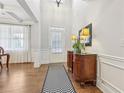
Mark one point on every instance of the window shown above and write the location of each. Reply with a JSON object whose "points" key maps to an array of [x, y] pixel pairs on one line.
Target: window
{"points": [[56, 42], [14, 37]]}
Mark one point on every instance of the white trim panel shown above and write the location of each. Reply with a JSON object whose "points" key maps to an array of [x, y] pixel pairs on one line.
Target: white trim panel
{"points": [[110, 71]]}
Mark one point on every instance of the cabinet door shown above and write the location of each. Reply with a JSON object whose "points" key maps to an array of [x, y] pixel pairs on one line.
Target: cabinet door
{"points": [[69, 59], [88, 68], [76, 71]]}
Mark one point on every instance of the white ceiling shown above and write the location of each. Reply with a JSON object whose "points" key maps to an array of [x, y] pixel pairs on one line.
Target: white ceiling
{"points": [[13, 6], [9, 2]]}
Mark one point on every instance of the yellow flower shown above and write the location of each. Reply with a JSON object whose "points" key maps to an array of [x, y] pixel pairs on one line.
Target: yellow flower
{"points": [[73, 37]]}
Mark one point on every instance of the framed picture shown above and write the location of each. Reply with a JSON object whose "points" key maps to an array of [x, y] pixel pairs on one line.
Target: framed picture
{"points": [[88, 41]]}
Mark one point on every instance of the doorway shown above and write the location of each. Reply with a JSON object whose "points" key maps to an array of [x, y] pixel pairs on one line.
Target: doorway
{"points": [[57, 44]]}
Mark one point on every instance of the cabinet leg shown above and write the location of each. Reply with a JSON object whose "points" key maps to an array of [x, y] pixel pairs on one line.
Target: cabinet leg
{"points": [[7, 63], [1, 65], [82, 84], [94, 83]]}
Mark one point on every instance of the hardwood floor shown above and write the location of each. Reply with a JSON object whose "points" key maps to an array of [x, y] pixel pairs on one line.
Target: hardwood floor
{"points": [[23, 78]]}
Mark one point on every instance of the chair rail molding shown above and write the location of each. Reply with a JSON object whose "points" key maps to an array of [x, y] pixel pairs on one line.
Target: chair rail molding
{"points": [[109, 68], [120, 59]]}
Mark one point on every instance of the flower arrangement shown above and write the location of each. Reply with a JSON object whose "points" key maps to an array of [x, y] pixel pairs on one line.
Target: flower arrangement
{"points": [[79, 42], [77, 46]]}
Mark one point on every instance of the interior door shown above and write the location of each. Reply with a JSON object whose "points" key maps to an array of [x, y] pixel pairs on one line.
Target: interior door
{"points": [[57, 44]]}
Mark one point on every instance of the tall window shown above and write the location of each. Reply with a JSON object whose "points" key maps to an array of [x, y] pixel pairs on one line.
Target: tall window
{"points": [[14, 37], [56, 42]]}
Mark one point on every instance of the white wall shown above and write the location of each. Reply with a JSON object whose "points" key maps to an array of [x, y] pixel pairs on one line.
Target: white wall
{"points": [[51, 15], [36, 43], [35, 32], [107, 17]]}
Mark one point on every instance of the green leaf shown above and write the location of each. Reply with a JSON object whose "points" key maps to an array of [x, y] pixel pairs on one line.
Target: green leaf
{"points": [[78, 46]]}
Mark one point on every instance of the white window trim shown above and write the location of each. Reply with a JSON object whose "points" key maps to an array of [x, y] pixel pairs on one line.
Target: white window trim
{"points": [[62, 30]]}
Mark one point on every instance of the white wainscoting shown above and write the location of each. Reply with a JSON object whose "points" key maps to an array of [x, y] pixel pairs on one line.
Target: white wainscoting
{"points": [[110, 74], [40, 57], [44, 56], [35, 57], [17, 57]]}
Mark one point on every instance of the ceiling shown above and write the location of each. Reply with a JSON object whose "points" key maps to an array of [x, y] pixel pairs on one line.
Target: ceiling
{"points": [[16, 12], [9, 2]]}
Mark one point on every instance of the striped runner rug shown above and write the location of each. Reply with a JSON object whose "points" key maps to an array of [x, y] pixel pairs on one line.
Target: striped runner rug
{"points": [[57, 80]]}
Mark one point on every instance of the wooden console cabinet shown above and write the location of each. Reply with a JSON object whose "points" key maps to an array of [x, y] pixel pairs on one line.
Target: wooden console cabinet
{"points": [[84, 68], [70, 60]]}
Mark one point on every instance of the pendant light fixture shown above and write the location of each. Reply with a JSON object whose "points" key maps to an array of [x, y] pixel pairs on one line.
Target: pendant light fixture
{"points": [[58, 2]]}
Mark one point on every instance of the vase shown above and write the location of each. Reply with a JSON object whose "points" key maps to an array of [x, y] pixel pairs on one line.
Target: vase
{"points": [[83, 51], [77, 51]]}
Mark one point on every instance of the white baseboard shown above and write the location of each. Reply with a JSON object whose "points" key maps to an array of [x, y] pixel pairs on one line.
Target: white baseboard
{"points": [[36, 57], [36, 65], [106, 87]]}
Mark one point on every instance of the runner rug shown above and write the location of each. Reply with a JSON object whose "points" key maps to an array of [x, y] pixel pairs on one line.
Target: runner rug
{"points": [[57, 80]]}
